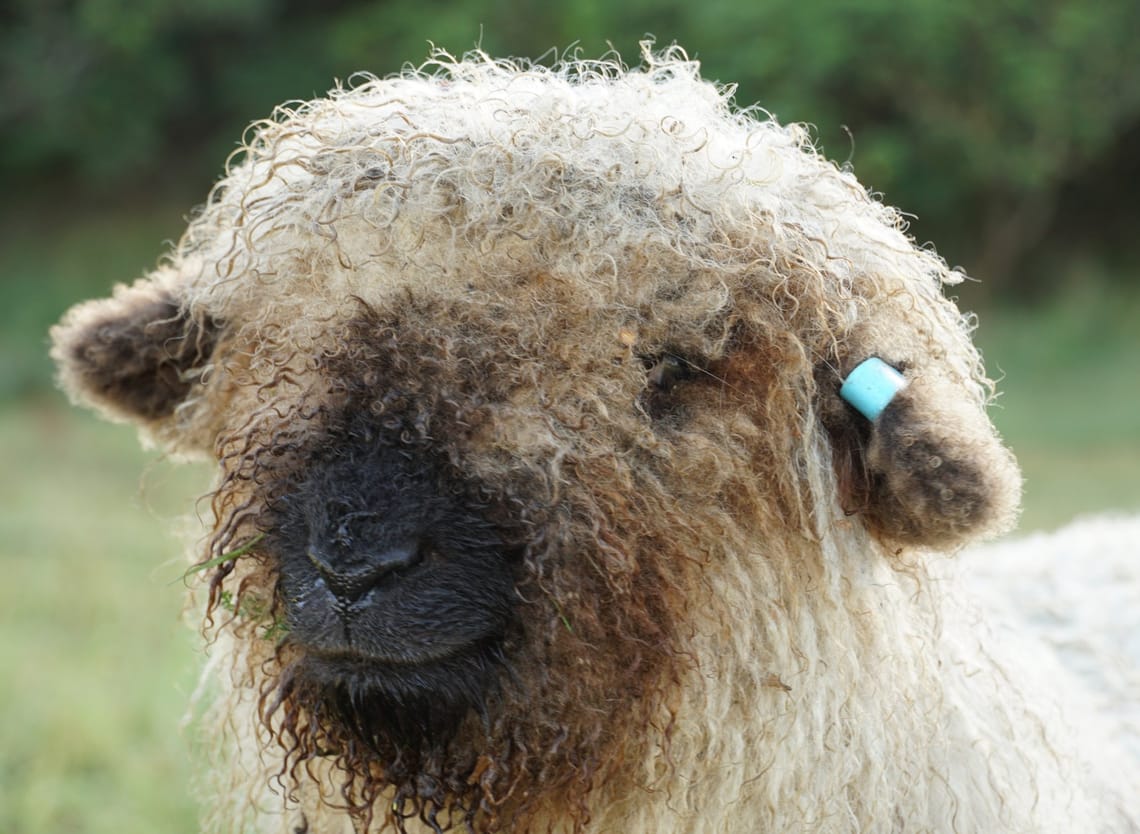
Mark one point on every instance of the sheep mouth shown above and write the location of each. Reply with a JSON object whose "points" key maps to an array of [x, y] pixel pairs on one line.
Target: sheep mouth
{"points": [[426, 615], [463, 677], [420, 649], [396, 708]]}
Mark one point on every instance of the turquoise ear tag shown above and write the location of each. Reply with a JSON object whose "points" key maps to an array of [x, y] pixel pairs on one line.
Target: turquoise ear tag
{"points": [[872, 386]]}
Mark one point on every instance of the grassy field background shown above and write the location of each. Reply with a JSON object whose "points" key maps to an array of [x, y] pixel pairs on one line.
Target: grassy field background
{"points": [[98, 665]]}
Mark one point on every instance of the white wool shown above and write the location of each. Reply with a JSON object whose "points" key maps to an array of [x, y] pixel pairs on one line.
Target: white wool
{"points": [[871, 700], [825, 681], [1071, 600]]}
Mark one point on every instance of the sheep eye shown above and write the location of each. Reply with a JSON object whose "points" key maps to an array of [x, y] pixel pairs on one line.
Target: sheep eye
{"points": [[666, 370]]}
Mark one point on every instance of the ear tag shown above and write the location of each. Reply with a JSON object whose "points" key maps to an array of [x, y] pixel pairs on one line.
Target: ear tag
{"points": [[872, 386]]}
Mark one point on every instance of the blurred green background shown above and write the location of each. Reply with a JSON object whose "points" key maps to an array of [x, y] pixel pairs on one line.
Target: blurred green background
{"points": [[1009, 129]]}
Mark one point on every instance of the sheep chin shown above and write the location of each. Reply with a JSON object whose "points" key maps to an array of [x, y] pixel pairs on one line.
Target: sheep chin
{"points": [[408, 704]]}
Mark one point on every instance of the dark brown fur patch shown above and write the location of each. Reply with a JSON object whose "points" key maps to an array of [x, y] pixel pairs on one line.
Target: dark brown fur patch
{"points": [[135, 359], [598, 592], [926, 490]]}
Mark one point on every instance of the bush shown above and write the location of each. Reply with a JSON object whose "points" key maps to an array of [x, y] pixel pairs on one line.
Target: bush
{"points": [[975, 115]]}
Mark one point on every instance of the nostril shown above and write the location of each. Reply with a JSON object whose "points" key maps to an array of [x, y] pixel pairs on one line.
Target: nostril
{"points": [[394, 558], [351, 575]]}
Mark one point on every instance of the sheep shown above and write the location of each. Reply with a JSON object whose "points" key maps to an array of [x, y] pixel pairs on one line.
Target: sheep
{"points": [[1071, 599], [538, 503]]}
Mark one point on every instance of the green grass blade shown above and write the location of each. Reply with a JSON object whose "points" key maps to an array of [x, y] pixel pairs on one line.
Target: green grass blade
{"points": [[225, 557]]}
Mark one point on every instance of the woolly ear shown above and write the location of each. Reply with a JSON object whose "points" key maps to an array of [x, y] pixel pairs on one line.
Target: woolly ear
{"points": [[928, 468], [132, 356]]}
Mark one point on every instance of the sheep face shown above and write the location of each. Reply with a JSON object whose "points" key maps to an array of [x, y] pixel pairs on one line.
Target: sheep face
{"points": [[503, 373], [454, 601]]}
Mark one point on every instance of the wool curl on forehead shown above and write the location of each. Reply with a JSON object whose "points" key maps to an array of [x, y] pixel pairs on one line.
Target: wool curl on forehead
{"points": [[470, 171]]}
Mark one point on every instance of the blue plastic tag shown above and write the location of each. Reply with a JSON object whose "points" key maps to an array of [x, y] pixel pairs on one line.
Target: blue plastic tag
{"points": [[872, 386]]}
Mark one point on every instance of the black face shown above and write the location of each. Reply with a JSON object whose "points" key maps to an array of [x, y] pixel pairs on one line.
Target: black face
{"points": [[396, 588]]}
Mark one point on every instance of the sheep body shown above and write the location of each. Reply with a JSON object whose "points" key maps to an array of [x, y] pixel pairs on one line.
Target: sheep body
{"points": [[1070, 599], [1050, 611], [586, 326]]}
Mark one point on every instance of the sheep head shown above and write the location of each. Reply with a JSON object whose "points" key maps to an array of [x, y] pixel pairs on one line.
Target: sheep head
{"points": [[497, 364]]}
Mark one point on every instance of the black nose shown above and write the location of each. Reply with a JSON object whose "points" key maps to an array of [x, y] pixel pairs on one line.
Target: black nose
{"points": [[351, 575]]}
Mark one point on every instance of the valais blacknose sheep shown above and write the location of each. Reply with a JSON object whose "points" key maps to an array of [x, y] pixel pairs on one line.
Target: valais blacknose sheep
{"points": [[538, 506]]}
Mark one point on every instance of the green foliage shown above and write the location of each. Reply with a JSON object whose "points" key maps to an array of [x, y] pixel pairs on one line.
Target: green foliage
{"points": [[973, 114], [98, 86], [255, 610]]}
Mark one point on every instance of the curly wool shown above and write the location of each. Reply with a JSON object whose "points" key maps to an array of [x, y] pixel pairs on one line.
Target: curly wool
{"points": [[726, 619]]}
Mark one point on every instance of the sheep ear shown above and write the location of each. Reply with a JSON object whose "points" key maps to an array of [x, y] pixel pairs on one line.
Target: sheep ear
{"points": [[132, 356], [928, 470]]}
